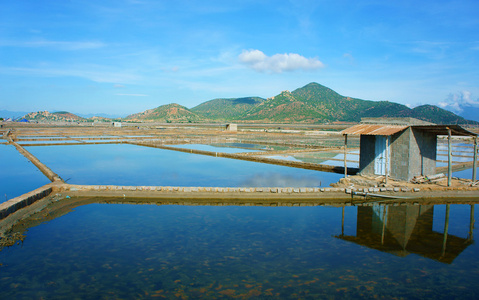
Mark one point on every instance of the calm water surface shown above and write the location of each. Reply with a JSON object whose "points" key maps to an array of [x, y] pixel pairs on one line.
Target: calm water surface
{"points": [[17, 174], [215, 148], [136, 165], [130, 251]]}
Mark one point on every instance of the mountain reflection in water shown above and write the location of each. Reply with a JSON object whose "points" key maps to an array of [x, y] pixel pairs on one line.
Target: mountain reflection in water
{"points": [[111, 248]]}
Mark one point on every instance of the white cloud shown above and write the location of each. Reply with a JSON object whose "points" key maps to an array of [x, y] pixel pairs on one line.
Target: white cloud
{"points": [[457, 101], [278, 63]]}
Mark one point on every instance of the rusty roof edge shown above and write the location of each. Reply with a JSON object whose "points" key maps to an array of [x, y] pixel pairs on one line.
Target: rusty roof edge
{"points": [[374, 129]]}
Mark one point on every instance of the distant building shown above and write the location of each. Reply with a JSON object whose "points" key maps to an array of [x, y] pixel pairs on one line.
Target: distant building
{"points": [[231, 127], [401, 147], [116, 124]]}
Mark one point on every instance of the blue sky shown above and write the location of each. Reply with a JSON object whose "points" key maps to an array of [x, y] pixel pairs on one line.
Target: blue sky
{"points": [[123, 57]]}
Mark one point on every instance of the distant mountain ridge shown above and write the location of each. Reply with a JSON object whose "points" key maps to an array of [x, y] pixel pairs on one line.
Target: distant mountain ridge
{"points": [[226, 108], [312, 103], [167, 113]]}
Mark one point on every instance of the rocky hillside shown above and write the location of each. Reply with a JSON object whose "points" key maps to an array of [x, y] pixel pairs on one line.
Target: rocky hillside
{"points": [[167, 113], [60, 116], [315, 103]]}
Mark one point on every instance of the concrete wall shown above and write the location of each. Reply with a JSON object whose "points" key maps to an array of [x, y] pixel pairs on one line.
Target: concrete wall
{"points": [[400, 155], [422, 153]]}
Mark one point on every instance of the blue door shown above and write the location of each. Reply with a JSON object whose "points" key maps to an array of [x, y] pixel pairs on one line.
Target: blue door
{"points": [[380, 155]]}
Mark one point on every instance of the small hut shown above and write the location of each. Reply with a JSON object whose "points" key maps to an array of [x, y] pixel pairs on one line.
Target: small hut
{"points": [[231, 127], [401, 148]]}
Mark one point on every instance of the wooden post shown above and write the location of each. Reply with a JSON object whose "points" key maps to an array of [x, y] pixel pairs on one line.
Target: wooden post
{"points": [[474, 163], [449, 158], [446, 228], [387, 159], [471, 223], [345, 155], [384, 225]]}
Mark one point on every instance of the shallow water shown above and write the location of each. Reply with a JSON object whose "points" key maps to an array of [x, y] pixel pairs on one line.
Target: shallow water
{"points": [[17, 174], [213, 252], [212, 148], [135, 165]]}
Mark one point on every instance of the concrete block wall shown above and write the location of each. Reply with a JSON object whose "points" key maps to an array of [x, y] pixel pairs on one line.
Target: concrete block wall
{"points": [[400, 155], [422, 153]]}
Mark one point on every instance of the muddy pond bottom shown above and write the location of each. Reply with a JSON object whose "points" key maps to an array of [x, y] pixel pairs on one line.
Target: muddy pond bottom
{"points": [[128, 251]]}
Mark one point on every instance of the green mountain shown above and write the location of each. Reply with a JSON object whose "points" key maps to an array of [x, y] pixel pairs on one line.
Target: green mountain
{"points": [[167, 113], [438, 115], [285, 108], [227, 109], [315, 103]]}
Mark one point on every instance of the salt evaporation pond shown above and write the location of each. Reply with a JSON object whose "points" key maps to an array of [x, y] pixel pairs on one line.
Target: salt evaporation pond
{"points": [[212, 148], [17, 174], [103, 251], [135, 165]]}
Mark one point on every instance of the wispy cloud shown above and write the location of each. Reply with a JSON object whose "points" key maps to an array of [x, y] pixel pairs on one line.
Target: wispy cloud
{"points": [[278, 63], [60, 45], [91, 72], [133, 95]]}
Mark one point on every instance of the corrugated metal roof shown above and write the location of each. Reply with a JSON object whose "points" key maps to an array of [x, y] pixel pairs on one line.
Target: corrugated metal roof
{"points": [[373, 129], [377, 129]]}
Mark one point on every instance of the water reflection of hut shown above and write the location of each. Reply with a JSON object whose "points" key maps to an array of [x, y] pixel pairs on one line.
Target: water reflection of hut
{"points": [[402, 230], [402, 148]]}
